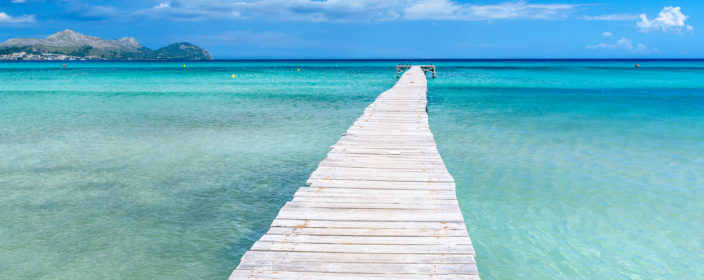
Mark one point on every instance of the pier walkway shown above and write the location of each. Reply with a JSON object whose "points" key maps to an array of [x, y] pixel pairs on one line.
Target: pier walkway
{"points": [[382, 205]]}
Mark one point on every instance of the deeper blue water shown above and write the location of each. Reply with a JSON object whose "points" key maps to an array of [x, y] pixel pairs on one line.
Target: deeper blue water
{"points": [[144, 170]]}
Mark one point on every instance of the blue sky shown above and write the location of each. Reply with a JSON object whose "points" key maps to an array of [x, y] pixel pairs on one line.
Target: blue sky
{"points": [[379, 29]]}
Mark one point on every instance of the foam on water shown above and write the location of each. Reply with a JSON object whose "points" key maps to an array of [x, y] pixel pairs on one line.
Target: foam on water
{"points": [[149, 170]]}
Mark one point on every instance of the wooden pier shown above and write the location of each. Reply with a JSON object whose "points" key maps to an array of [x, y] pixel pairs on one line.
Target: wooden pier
{"points": [[382, 205]]}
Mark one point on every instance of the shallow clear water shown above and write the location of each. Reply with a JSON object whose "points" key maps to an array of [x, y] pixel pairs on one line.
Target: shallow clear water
{"points": [[586, 170]]}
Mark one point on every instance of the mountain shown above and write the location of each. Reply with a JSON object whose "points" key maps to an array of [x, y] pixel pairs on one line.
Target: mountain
{"points": [[184, 50], [74, 45]]}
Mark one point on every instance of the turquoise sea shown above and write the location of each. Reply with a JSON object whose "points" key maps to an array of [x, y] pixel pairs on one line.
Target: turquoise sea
{"points": [[152, 170]]}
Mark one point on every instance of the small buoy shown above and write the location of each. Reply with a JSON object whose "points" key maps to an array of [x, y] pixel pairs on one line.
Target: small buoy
{"points": [[637, 66], [234, 76], [184, 66], [64, 65], [299, 69]]}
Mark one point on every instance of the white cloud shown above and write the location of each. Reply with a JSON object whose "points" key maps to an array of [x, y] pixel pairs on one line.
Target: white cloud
{"points": [[90, 12], [19, 1], [450, 10], [669, 19], [5, 18], [613, 17], [624, 44], [607, 34], [361, 10], [278, 10], [162, 5]]}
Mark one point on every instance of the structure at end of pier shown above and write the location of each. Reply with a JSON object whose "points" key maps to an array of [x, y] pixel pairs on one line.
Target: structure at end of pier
{"points": [[403, 67]]}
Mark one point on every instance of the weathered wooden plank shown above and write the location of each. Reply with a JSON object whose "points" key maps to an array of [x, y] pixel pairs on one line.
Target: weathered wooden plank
{"points": [[361, 173], [371, 268], [324, 180], [362, 240], [391, 157], [419, 172], [288, 212], [391, 177], [389, 139], [388, 155], [369, 231], [365, 248], [380, 132], [372, 192], [381, 118], [265, 275], [377, 197], [357, 205], [391, 119], [409, 127], [386, 148], [382, 165], [303, 223], [386, 158], [372, 200], [427, 146], [272, 256], [375, 184]]}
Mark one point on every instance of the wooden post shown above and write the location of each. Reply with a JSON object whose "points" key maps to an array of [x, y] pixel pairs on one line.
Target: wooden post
{"points": [[400, 68], [429, 68]]}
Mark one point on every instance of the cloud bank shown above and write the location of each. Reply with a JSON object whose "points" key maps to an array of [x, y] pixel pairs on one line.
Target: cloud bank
{"points": [[361, 10], [5, 18], [670, 19], [613, 17], [449, 10], [623, 44]]}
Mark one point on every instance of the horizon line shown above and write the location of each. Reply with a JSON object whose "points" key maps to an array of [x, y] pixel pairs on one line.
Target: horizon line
{"points": [[377, 59]]}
